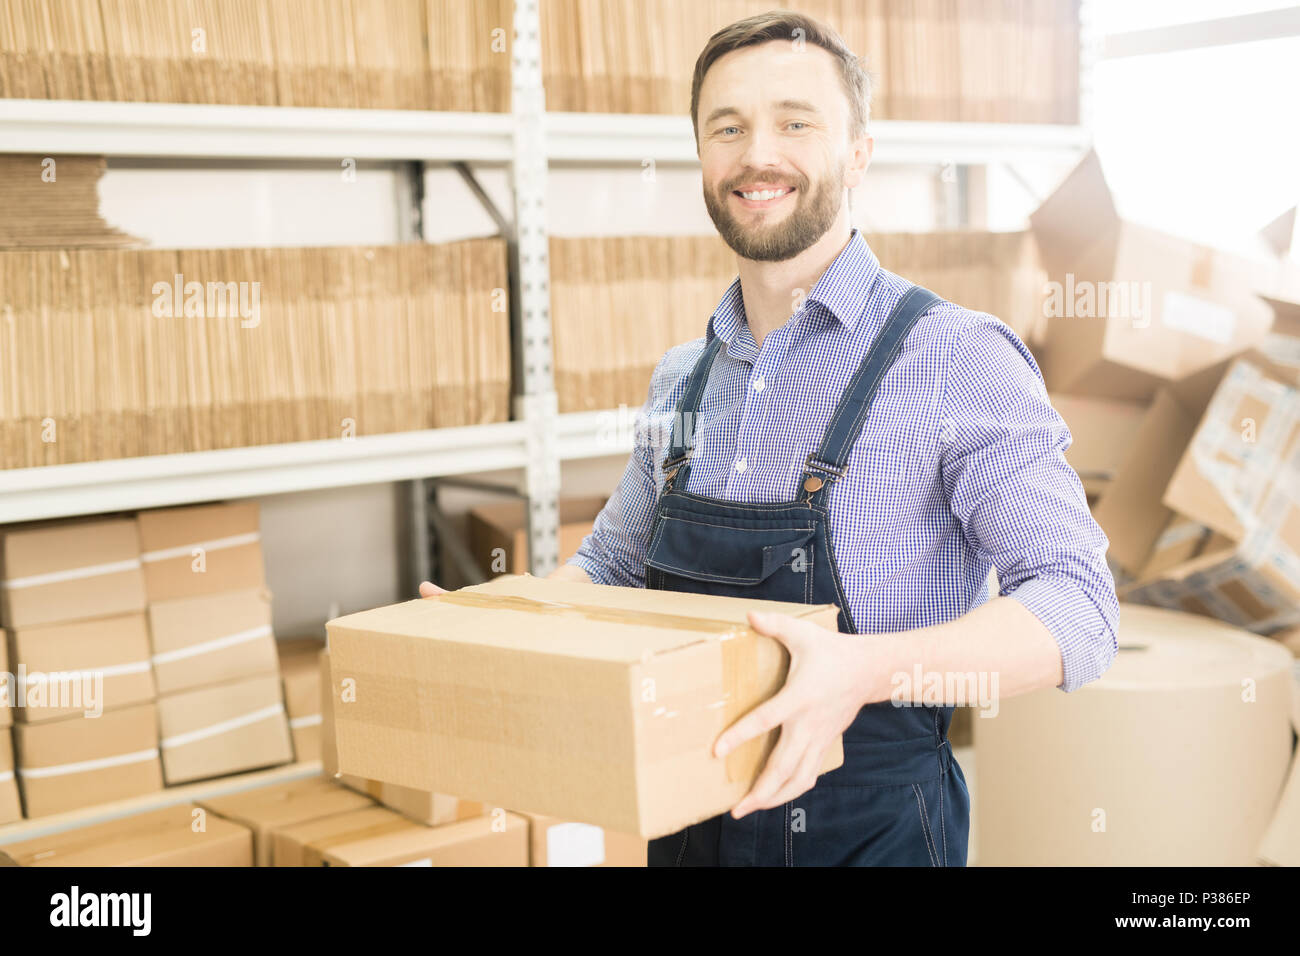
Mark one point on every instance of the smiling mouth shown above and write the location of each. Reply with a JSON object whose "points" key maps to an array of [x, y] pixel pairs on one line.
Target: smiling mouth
{"points": [[763, 198]]}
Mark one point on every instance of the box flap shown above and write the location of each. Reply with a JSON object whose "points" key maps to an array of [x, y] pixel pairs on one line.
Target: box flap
{"points": [[1077, 217], [592, 621]]}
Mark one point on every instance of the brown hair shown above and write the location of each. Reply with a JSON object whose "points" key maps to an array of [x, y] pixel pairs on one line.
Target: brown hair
{"points": [[782, 25]]}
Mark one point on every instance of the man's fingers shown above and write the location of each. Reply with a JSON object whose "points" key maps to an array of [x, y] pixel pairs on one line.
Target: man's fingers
{"points": [[428, 589], [782, 764], [790, 631], [801, 781], [771, 713]]}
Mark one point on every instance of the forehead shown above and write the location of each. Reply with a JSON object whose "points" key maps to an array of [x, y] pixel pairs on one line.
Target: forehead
{"points": [[758, 76]]}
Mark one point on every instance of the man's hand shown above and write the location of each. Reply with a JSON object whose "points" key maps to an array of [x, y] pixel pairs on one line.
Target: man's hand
{"points": [[428, 589], [832, 675], [565, 572]]}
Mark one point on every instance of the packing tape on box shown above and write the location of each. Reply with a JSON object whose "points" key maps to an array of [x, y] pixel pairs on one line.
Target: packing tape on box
{"points": [[592, 612], [85, 766], [111, 670], [384, 828], [187, 550], [307, 720], [215, 644], [72, 574], [6, 776], [221, 727]]}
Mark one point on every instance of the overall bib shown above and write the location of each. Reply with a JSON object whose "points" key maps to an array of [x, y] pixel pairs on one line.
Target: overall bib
{"points": [[899, 798]]}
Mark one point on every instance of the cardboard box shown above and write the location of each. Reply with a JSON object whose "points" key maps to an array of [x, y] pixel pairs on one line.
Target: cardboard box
{"points": [[1091, 778], [1282, 344], [1236, 476], [578, 701], [10, 806], [69, 668], [8, 684], [212, 639], [224, 729], [205, 549], [1102, 430], [181, 835], [380, 837], [69, 570], [82, 761], [498, 534], [1131, 307], [1281, 843], [564, 843], [300, 671], [423, 806], [266, 809]]}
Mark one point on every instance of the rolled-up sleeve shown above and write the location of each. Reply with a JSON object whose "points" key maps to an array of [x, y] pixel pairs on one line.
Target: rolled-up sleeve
{"points": [[1018, 499], [615, 551]]}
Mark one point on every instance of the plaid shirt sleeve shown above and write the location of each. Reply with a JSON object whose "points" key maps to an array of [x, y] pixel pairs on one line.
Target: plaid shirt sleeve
{"points": [[1010, 487], [615, 551]]}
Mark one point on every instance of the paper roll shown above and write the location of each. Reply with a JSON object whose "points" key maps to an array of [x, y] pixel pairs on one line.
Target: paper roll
{"points": [[1176, 756]]}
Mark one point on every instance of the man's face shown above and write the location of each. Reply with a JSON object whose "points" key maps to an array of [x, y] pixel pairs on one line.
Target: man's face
{"points": [[773, 119]]}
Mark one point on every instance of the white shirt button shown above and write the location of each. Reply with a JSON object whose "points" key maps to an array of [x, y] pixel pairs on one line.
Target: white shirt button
{"points": [[740, 464], [758, 384]]}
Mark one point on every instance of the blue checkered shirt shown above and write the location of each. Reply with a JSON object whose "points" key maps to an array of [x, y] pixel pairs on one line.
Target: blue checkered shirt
{"points": [[959, 467]]}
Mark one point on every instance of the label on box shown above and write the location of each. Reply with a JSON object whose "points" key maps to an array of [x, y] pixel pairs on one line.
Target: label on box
{"points": [[427, 861], [1206, 320], [575, 844]]}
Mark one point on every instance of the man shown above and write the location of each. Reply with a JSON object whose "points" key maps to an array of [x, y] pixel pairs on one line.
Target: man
{"points": [[839, 435]]}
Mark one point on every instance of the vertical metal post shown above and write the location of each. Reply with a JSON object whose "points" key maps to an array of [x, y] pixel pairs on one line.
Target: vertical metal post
{"points": [[535, 400]]}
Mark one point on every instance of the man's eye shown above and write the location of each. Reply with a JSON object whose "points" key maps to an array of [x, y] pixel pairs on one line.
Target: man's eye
{"points": [[725, 128], [797, 123]]}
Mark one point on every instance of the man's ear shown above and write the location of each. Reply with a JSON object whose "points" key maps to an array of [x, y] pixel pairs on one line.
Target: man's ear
{"points": [[859, 159]]}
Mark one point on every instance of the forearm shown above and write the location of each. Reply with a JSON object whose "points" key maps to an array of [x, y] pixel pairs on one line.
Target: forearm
{"points": [[1001, 646], [570, 572]]}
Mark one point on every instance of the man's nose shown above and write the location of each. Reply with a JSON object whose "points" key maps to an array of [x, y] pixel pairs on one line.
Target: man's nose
{"points": [[760, 150]]}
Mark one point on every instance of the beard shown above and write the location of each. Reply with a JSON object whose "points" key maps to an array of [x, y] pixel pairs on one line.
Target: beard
{"points": [[761, 241]]}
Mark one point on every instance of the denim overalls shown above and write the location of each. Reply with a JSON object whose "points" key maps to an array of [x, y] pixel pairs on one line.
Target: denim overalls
{"points": [[900, 797]]}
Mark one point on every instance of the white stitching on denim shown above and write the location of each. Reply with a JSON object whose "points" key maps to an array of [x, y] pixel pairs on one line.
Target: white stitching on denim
{"points": [[925, 824]]}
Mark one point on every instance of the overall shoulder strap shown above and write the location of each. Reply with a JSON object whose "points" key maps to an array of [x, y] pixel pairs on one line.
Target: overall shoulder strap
{"points": [[830, 460], [687, 408]]}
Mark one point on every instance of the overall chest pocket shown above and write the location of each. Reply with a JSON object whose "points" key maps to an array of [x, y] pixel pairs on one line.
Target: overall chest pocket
{"points": [[702, 551]]}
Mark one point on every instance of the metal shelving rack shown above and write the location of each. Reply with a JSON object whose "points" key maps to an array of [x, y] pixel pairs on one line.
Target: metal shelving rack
{"points": [[529, 140]]}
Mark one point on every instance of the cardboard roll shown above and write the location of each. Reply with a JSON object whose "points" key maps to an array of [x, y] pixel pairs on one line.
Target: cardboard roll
{"points": [[1176, 756]]}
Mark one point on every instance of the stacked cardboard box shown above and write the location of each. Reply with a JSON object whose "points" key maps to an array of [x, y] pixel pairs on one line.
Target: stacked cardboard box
{"points": [[300, 671], [577, 701], [498, 535], [72, 601], [168, 837], [264, 810], [421, 805], [565, 843], [221, 704], [415, 54], [379, 837]]}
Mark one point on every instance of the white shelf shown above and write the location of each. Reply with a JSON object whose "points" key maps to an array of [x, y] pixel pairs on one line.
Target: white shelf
{"points": [[618, 137], [126, 484], [52, 127]]}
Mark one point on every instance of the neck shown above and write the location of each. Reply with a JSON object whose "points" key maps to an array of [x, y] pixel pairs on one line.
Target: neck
{"points": [[771, 290]]}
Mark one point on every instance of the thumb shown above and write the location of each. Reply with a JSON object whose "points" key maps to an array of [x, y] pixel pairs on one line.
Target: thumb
{"points": [[788, 630], [428, 589]]}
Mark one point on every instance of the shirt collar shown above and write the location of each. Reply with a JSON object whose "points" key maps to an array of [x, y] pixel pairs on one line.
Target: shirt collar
{"points": [[842, 291]]}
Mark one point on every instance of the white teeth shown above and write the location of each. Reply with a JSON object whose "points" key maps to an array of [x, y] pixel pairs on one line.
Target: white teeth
{"points": [[765, 194]]}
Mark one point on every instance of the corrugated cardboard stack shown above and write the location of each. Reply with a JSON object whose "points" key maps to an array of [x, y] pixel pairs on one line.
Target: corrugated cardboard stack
{"points": [[123, 353], [414, 54], [11, 807], [221, 704], [933, 60], [53, 201], [72, 601]]}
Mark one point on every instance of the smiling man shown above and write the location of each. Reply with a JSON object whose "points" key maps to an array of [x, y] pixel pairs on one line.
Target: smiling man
{"points": [[842, 436]]}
